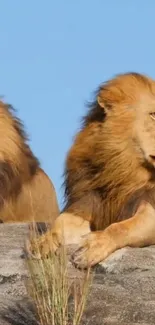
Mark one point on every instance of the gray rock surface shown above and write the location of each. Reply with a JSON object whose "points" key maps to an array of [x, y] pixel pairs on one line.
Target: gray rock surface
{"points": [[12, 267], [122, 292]]}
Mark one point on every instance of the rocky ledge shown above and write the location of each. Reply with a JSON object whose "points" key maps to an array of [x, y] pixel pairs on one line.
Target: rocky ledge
{"points": [[122, 292]]}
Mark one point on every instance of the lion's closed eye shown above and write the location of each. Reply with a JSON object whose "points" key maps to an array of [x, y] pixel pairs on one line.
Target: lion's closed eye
{"points": [[152, 115]]}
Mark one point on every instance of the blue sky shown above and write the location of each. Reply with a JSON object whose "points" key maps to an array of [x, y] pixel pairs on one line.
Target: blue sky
{"points": [[53, 55]]}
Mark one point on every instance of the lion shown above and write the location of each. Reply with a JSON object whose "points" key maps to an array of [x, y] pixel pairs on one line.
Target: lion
{"points": [[109, 176], [26, 192]]}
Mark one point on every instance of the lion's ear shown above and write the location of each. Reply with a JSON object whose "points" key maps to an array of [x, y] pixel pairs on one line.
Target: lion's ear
{"points": [[100, 101], [103, 104]]}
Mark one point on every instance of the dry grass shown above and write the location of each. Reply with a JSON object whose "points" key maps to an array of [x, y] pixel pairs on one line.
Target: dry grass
{"points": [[59, 300]]}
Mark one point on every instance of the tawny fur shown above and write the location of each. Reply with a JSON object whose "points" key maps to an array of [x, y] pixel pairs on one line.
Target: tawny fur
{"points": [[103, 174], [110, 172], [26, 192]]}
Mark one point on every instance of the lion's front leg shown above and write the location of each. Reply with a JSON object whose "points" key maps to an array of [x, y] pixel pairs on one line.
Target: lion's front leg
{"points": [[137, 231], [68, 229]]}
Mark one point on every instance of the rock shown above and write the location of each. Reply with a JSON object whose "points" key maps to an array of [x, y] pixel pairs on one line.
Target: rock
{"points": [[12, 267], [122, 291], [124, 288]]}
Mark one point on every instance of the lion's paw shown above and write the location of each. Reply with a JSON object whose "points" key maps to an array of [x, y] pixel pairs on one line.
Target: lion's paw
{"points": [[41, 247], [94, 248]]}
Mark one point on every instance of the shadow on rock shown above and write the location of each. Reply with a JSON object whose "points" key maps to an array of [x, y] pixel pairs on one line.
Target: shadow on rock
{"points": [[21, 313]]}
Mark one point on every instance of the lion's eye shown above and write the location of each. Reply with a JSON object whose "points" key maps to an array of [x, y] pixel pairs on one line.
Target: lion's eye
{"points": [[152, 115]]}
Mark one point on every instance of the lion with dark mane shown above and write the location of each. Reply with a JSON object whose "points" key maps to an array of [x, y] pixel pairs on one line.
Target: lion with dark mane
{"points": [[26, 192], [109, 175]]}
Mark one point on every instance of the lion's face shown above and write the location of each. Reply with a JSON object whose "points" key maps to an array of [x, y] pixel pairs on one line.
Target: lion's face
{"points": [[131, 114], [144, 128]]}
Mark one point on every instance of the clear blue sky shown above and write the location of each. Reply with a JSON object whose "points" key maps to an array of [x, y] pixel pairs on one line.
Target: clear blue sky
{"points": [[54, 53]]}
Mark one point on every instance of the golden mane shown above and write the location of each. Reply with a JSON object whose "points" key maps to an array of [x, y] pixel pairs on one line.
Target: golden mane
{"points": [[26, 192], [102, 173]]}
